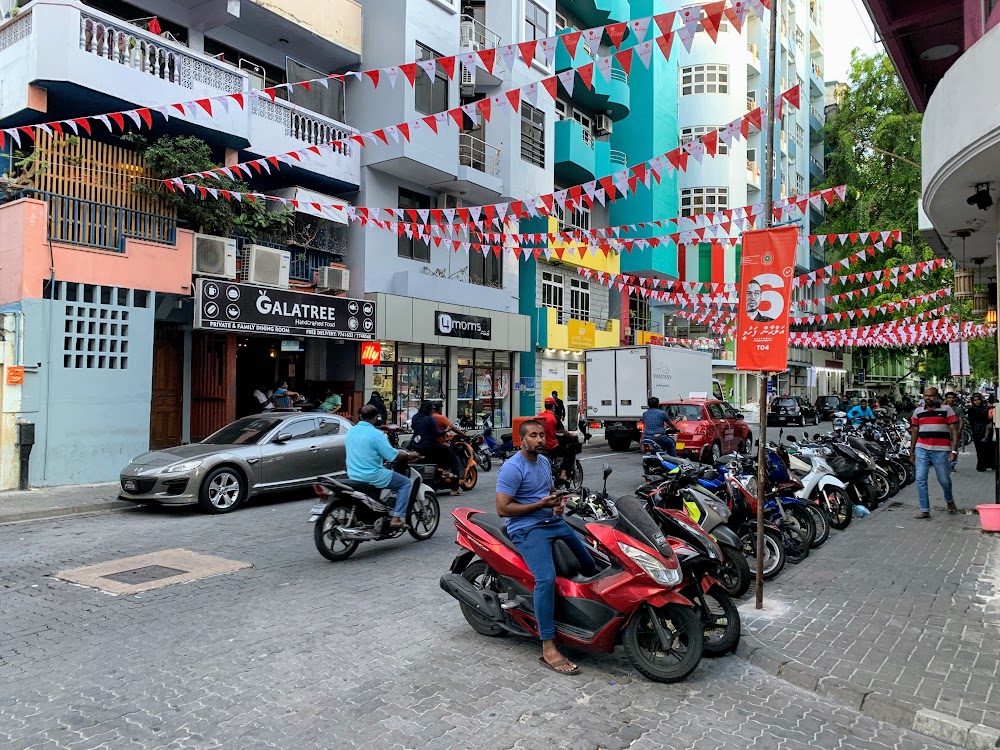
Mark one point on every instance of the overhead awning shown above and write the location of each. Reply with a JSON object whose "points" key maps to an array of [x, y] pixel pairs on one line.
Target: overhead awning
{"points": [[314, 204]]}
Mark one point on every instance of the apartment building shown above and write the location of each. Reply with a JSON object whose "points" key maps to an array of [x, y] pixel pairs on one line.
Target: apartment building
{"points": [[104, 289]]}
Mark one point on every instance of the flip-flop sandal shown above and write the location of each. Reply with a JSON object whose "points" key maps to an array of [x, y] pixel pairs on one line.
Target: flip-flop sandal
{"points": [[560, 663], [923, 515], [404, 526]]}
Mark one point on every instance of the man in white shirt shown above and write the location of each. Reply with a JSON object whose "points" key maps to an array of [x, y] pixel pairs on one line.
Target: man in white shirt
{"points": [[264, 400]]}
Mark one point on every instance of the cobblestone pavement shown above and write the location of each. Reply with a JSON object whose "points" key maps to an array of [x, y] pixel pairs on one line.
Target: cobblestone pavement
{"points": [[297, 652], [906, 607]]}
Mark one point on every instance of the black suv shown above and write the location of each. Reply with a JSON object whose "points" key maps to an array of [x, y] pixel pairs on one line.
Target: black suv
{"points": [[793, 410], [827, 406]]}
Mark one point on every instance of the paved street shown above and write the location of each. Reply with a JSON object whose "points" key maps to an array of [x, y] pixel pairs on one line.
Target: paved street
{"points": [[297, 652]]}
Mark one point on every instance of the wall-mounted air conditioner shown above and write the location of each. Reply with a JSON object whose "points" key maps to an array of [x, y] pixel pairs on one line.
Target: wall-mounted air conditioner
{"points": [[605, 124], [333, 279], [268, 267], [214, 256], [467, 38], [468, 85]]}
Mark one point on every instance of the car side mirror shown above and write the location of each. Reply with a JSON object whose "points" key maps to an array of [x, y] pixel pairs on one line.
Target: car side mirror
{"points": [[283, 437], [740, 415], [607, 471]]}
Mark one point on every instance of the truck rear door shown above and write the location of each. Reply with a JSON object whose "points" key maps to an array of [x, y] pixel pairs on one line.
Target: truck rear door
{"points": [[632, 381]]}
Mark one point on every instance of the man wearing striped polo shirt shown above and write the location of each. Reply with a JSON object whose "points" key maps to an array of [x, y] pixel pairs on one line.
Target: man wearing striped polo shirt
{"points": [[933, 441]]}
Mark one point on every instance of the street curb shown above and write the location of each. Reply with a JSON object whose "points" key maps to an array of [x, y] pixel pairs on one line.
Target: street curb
{"points": [[871, 703], [71, 510]]}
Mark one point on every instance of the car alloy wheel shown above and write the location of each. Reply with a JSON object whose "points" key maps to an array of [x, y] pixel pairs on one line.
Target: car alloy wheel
{"points": [[224, 490]]}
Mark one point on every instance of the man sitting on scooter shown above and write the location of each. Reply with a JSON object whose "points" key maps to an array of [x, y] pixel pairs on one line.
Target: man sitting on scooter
{"points": [[525, 500], [367, 447], [656, 427], [556, 450]]}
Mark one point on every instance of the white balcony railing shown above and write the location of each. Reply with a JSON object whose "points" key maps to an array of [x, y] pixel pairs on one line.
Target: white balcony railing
{"points": [[617, 74], [754, 52], [753, 172], [478, 154], [618, 157], [475, 35]]}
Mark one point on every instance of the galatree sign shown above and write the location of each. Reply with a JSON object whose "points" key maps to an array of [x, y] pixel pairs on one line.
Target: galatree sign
{"points": [[462, 326], [244, 308]]}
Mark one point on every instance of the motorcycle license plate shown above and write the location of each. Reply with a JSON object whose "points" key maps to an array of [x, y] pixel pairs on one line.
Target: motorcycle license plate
{"points": [[316, 512]]}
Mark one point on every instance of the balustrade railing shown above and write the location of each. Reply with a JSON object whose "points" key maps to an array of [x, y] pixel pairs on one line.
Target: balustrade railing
{"points": [[478, 154]]}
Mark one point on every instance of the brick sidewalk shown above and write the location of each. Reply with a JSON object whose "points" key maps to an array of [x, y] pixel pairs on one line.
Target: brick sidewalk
{"points": [[904, 607], [52, 502]]}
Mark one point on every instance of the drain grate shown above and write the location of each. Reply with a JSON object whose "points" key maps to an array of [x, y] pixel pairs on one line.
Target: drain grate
{"points": [[146, 574]]}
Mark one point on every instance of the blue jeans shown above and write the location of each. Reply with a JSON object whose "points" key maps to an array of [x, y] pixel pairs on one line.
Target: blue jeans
{"points": [[667, 443], [942, 468], [403, 486], [535, 546]]}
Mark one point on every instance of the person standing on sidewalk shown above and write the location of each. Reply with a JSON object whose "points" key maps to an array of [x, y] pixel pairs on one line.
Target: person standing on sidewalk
{"points": [[951, 399], [934, 440], [981, 427]]}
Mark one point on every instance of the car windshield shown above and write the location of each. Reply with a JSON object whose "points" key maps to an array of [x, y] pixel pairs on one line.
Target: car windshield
{"points": [[829, 400], [787, 402], [246, 431], [683, 411]]}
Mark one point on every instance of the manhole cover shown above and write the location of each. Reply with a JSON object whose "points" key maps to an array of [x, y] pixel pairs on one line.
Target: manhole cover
{"points": [[146, 574]]}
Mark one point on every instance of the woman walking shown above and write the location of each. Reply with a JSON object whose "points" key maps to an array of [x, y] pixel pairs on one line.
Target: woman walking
{"points": [[982, 433]]}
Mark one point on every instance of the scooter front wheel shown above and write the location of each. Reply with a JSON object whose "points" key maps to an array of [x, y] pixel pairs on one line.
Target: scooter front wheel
{"points": [[666, 643]]}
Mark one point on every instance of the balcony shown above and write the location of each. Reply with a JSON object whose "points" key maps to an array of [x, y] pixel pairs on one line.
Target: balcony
{"points": [[553, 334], [817, 87], [474, 35], [816, 170], [106, 64], [816, 119], [575, 153], [753, 60], [477, 171], [753, 176], [600, 12], [611, 96], [456, 290], [610, 263]]}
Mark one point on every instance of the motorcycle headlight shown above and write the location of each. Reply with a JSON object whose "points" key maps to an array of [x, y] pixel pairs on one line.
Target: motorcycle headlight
{"points": [[182, 467], [653, 567]]}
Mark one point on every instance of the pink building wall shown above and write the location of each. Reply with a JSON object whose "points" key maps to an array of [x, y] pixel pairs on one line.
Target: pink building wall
{"points": [[26, 263]]}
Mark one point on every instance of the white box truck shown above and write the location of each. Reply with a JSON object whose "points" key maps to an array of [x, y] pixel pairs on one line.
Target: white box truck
{"points": [[620, 380]]}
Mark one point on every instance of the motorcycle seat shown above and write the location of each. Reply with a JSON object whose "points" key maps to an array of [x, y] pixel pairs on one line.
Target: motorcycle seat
{"points": [[372, 491], [566, 563], [494, 526]]}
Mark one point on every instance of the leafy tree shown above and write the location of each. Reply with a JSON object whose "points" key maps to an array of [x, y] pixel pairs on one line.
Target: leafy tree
{"points": [[170, 156]]}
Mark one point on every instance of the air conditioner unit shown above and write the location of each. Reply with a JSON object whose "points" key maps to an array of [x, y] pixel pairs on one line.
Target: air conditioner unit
{"points": [[333, 279], [447, 200], [214, 256], [268, 267], [467, 37], [468, 84], [604, 124]]}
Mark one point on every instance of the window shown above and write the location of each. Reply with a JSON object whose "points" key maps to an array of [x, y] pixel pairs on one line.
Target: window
{"points": [[800, 185], [552, 292], [705, 79], [329, 426], [430, 96], [638, 315], [532, 135], [800, 135], [751, 154], [689, 134], [536, 21], [588, 125], [563, 109], [578, 218], [561, 22], [800, 39], [715, 411], [486, 269], [704, 200], [300, 428], [413, 249], [579, 299]]}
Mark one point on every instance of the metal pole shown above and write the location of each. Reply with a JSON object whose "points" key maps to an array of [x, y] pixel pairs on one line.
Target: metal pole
{"points": [[772, 53]]}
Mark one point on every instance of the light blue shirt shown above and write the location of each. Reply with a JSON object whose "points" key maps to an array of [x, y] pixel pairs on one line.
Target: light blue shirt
{"points": [[367, 447], [527, 483]]}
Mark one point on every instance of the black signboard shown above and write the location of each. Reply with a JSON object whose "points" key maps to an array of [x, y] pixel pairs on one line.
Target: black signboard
{"points": [[462, 326], [244, 308]]}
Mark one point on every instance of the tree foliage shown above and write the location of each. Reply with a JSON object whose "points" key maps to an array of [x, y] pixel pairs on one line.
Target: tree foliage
{"points": [[170, 156], [873, 146]]}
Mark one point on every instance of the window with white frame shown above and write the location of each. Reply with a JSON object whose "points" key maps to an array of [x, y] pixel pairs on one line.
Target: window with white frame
{"points": [[552, 292], [689, 134], [704, 200], [561, 22], [532, 135], [800, 135], [578, 218], [536, 21], [751, 154], [588, 125], [579, 299], [705, 79], [563, 109], [800, 185], [430, 96]]}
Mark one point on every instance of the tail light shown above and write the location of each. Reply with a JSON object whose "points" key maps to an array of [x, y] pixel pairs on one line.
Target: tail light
{"points": [[595, 425], [641, 427], [322, 491]]}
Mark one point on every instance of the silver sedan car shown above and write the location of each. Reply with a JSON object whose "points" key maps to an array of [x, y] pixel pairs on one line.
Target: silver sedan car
{"points": [[253, 455]]}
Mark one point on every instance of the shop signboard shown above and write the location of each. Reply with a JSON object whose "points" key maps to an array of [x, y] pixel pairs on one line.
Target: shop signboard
{"points": [[581, 334], [460, 326], [766, 270], [15, 375], [371, 353], [291, 345], [245, 308]]}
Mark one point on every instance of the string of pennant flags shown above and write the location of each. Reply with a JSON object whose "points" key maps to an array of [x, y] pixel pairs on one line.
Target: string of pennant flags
{"points": [[890, 278], [837, 317], [853, 238], [923, 323]]}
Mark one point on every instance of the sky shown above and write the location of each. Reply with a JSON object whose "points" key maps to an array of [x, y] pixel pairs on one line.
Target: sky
{"points": [[847, 25]]}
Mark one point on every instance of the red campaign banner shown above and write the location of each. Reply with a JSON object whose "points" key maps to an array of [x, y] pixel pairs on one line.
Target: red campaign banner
{"points": [[766, 271]]}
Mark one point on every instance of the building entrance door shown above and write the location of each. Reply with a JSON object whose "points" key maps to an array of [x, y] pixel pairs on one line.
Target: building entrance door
{"points": [[165, 412]]}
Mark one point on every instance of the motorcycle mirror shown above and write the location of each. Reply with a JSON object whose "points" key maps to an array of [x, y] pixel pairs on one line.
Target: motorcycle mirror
{"points": [[791, 439], [607, 471]]}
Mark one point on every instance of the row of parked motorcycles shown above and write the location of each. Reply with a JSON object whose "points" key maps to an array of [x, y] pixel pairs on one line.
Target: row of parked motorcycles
{"points": [[672, 558]]}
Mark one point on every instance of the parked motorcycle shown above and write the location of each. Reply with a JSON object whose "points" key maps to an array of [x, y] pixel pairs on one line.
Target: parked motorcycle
{"points": [[487, 448], [634, 597], [347, 512]]}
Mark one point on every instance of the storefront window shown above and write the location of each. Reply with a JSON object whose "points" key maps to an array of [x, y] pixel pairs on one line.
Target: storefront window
{"points": [[573, 391], [383, 378], [421, 373]]}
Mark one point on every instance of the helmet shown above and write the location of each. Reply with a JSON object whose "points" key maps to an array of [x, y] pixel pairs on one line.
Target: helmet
{"points": [[550, 401]]}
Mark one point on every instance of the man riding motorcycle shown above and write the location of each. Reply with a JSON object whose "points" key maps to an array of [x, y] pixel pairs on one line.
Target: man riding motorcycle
{"points": [[557, 452], [857, 414], [367, 450]]}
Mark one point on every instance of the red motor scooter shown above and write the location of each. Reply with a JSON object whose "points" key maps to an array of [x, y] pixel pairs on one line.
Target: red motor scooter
{"points": [[633, 598]]}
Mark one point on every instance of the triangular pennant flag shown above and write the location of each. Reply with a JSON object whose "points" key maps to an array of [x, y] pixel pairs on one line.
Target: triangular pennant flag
{"points": [[567, 78], [713, 18], [586, 74], [550, 85], [737, 14], [624, 59], [374, 76], [448, 65], [665, 42], [410, 71], [640, 27], [527, 50], [645, 51], [570, 41], [488, 58], [507, 54], [616, 32], [792, 96]]}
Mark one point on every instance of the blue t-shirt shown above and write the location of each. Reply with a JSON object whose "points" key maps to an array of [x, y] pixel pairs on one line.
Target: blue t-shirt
{"points": [[856, 414], [653, 422], [283, 401], [527, 483], [367, 447]]}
